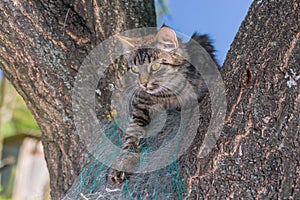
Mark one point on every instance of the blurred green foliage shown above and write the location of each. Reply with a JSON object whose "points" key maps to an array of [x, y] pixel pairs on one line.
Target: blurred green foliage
{"points": [[162, 7], [15, 117], [162, 10]]}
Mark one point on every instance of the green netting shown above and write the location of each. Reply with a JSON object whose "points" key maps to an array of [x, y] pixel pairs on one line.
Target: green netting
{"points": [[167, 183]]}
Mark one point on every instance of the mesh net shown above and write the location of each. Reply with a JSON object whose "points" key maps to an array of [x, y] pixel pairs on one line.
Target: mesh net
{"points": [[166, 183]]}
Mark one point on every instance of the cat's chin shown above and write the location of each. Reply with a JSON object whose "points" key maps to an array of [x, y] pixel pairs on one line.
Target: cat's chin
{"points": [[150, 91]]}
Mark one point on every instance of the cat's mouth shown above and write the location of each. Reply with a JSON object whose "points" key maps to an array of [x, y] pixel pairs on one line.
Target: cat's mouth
{"points": [[150, 88]]}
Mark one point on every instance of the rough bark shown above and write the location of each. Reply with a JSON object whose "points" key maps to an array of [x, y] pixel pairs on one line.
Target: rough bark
{"points": [[42, 46], [257, 154]]}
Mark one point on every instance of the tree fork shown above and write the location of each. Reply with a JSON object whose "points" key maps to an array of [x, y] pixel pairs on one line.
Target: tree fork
{"points": [[257, 154]]}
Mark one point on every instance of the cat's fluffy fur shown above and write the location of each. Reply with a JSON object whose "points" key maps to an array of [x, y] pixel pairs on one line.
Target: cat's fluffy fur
{"points": [[175, 84]]}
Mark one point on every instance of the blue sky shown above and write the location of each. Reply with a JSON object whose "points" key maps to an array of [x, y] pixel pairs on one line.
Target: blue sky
{"points": [[220, 19]]}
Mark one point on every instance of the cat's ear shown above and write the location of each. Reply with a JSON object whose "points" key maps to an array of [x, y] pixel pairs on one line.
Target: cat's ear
{"points": [[166, 39], [127, 42]]}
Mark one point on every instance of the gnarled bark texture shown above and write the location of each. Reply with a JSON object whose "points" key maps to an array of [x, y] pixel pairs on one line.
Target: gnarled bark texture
{"points": [[258, 152], [42, 44]]}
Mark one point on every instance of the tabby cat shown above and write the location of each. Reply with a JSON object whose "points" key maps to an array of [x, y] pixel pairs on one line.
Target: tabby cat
{"points": [[164, 77]]}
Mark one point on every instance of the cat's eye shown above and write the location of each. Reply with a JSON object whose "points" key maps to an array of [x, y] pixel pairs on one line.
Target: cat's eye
{"points": [[135, 69], [155, 66]]}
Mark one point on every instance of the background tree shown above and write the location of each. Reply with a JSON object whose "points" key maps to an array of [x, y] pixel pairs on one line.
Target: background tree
{"points": [[257, 155]]}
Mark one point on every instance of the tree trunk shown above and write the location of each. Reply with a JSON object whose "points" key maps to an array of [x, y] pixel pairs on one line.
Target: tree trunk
{"points": [[42, 46], [257, 154]]}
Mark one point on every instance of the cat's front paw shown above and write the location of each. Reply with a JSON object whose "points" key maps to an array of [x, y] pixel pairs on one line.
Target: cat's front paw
{"points": [[118, 177], [128, 163]]}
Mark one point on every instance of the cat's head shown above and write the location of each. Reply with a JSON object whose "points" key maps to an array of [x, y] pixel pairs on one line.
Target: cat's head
{"points": [[154, 61]]}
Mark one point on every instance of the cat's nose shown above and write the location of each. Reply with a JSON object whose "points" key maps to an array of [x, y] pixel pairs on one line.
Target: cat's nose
{"points": [[143, 81], [144, 84]]}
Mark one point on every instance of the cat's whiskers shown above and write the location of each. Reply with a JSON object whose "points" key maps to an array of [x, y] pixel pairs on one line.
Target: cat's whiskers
{"points": [[179, 98], [181, 93], [129, 89]]}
